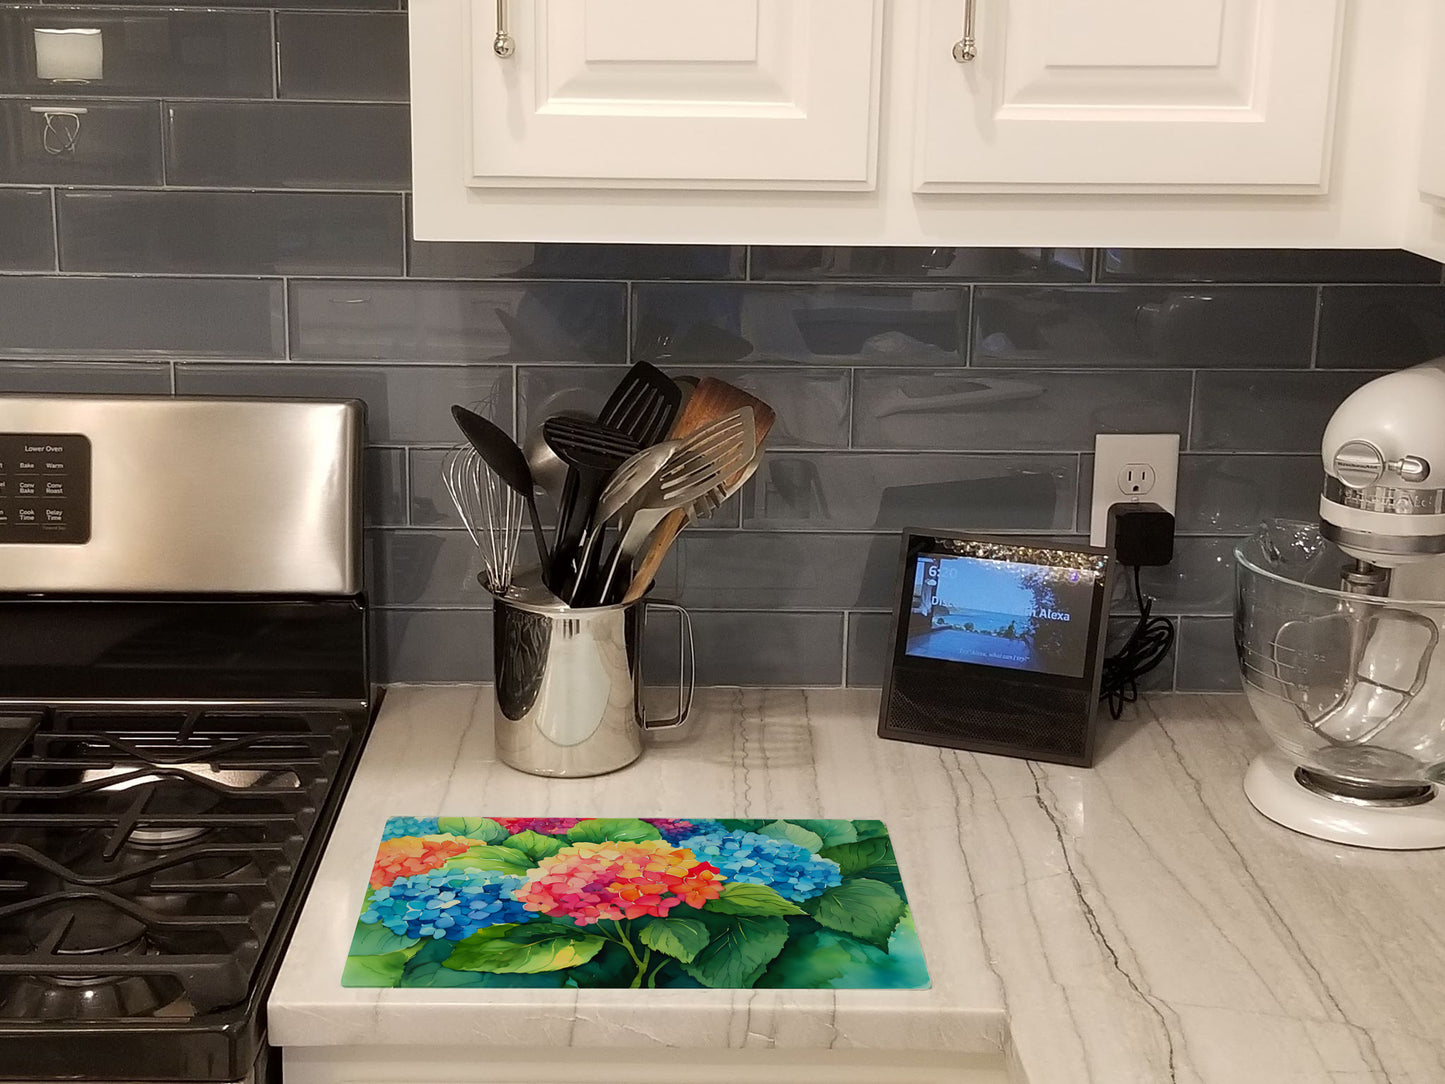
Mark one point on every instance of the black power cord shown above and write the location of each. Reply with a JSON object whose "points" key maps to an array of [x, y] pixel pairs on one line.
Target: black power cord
{"points": [[1145, 649]]}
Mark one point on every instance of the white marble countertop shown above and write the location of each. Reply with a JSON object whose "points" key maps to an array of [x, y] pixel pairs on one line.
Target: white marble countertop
{"points": [[1137, 922]]}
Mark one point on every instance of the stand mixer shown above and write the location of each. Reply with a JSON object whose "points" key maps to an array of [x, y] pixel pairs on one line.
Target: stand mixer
{"points": [[1338, 627]]}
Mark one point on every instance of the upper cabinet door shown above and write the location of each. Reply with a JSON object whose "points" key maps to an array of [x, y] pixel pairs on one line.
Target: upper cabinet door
{"points": [[747, 94], [1128, 95]]}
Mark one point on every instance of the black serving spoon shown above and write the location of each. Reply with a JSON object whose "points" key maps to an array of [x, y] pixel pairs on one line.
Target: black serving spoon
{"points": [[500, 452]]}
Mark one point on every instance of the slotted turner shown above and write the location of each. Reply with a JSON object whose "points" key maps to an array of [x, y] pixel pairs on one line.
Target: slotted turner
{"points": [[644, 405], [592, 452]]}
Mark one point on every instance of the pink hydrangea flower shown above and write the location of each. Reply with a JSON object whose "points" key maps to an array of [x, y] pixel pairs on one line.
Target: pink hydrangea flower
{"points": [[587, 882], [547, 826]]}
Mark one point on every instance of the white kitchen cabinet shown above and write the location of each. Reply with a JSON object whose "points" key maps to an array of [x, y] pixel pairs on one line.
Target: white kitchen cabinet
{"points": [[1213, 123], [1128, 95]]}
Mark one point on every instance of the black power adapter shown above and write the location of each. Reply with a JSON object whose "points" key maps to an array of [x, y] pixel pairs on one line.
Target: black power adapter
{"points": [[1139, 534]]}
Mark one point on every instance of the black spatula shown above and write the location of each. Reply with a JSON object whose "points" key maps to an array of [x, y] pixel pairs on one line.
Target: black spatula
{"points": [[592, 452], [643, 405]]}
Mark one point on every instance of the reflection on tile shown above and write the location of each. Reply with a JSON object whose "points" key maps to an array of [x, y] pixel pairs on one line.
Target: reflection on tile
{"points": [[1017, 410], [442, 321], [1381, 327], [730, 570], [728, 323], [384, 470], [177, 53], [117, 143], [232, 233], [1230, 494], [1111, 327], [811, 404], [1200, 579], [1265, 265], [1158, 680], [429, 504], [27, 230], [505, 259], [405, 403], [868, 491], [423, 568], [124, 317], [868, 648], [339, 56], [288, 145], [1267, 412], [751, 649], [1207, 661], [99, 377], [432, 645], [922, 264]]}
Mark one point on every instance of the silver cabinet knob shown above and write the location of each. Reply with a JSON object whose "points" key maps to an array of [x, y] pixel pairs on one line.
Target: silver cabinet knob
{"points": [[966, 47]]}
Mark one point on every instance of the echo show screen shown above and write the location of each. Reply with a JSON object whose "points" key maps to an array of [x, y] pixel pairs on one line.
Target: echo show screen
{"points": [[1001, 613]]}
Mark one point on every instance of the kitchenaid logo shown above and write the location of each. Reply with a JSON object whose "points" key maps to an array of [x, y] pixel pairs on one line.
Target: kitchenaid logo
{"points": [[1050, 615]]}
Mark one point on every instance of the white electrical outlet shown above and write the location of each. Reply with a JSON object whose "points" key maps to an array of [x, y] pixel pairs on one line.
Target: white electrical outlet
{"points": [[1132, 467]]}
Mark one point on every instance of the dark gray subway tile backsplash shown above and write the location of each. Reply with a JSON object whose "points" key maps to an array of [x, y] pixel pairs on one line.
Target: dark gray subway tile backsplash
{"points": [[233, 219]]}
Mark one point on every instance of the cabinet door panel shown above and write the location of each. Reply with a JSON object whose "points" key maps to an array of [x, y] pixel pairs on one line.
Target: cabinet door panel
{"points": [[1128, 95], [677, 94]]}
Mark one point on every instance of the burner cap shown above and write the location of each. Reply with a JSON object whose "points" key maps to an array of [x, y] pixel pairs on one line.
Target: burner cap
{"points": [[86, 927]]}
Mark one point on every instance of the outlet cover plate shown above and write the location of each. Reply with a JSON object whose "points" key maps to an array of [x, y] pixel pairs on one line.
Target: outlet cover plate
{"points": [[1115, 451]]}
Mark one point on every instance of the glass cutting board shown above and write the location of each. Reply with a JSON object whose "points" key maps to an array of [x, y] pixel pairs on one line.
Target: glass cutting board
{"points": [[649, 903]]}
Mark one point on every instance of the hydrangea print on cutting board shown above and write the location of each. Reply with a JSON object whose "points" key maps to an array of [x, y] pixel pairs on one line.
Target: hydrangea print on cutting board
{"points": [[646, 903]]}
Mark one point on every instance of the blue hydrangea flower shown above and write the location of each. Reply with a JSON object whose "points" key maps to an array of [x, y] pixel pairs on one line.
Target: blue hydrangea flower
{"points": [[674, 830], [795, 872], [449, 903], [410, 826]]}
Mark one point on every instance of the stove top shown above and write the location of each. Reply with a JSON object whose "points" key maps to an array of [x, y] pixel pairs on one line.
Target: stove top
{"points": [[146, 856]]}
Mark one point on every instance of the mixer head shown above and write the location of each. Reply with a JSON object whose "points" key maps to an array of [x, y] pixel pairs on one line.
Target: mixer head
{"points": [[1384, 456]]}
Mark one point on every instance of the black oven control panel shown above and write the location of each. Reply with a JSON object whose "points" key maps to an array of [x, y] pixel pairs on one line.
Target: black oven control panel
{"points": [[44, 488]]}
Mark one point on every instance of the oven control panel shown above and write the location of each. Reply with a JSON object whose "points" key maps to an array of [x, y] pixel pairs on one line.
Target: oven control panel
{"points": [[44, 488]]}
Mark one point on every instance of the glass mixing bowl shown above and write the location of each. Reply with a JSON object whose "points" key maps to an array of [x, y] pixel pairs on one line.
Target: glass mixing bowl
{"points": [[1348, 686]]}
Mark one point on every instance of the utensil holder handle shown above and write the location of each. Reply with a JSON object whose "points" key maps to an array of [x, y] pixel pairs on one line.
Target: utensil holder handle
{"points": [[687, 675]]}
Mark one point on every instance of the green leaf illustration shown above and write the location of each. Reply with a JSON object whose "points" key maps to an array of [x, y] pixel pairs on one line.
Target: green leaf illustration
{"points": [[534, 845], [374, 939], [870, 829], [376, 970], [832, 832], [854, 858], [480, 828], [501, 859], [524, 948], [865, 908], [739, 898], [793, 833], [814, 961], [681, 938], [438, 976], [741, 948], [619, 829]]}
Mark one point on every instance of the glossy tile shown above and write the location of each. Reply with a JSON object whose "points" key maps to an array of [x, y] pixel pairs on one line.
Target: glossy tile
{"points": [[443, 321], [410, 568], [404, 403], [385, 501], [429, 505], [811, 404], [288, 145], [230, 233], [432, 645], [149, 53], [1217, 327], [1267, 412], [779, 570], [1013, 411], [487, 260], [115, 143], [868, 648], [56, 316], [1207, 659], [107, 377], [1264, 265], [1381, 327], [921, 264], [871, 491], [1200, 579], [697, 324], [27, 230], [1232, 494], [751, 649], [346, 56]]}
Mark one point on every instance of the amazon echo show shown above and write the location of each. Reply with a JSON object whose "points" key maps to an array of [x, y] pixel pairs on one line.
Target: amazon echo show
{"points": [[997, 645]]}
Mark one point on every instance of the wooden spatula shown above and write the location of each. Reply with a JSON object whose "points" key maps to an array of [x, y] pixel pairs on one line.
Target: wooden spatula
{"points": [[712, 399]]}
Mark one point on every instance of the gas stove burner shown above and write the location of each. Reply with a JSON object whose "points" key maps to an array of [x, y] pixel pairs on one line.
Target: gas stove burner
{"points": [[83, 927], [92, 997]]}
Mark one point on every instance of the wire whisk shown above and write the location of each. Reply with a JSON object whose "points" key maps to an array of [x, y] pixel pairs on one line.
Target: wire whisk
{"points": [[491, 510]]}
